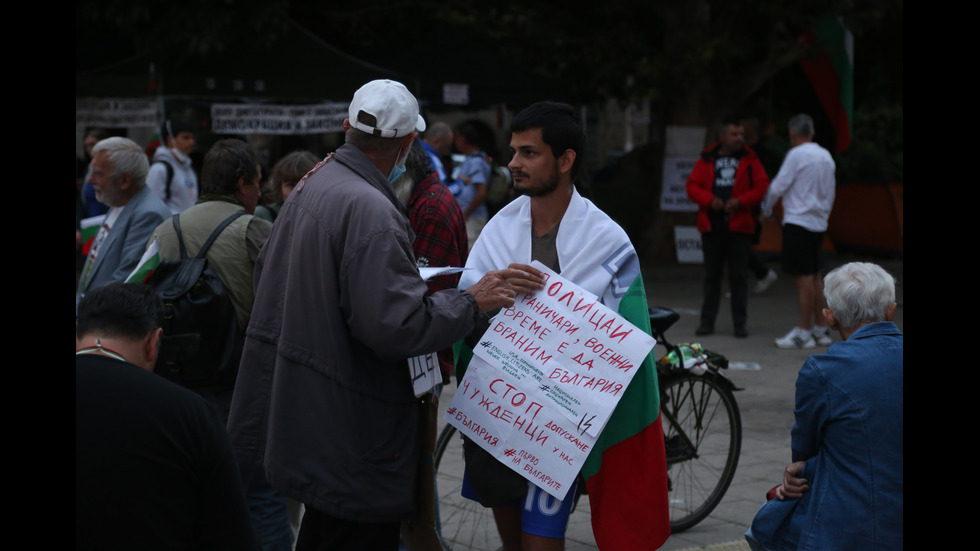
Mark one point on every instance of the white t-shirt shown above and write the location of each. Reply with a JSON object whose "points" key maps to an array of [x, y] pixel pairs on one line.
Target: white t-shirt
{"points": [[807, 184]]}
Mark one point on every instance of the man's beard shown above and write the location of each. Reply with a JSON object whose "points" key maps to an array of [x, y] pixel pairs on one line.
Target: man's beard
{"points": [[403, 187], [540, 190], [105, 196]]}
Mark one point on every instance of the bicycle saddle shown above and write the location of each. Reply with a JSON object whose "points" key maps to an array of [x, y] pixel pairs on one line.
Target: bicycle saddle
{"points": [[662, 318]]}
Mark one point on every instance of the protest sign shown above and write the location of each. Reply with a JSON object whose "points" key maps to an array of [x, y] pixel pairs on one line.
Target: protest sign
{"points": [[544, 380]]}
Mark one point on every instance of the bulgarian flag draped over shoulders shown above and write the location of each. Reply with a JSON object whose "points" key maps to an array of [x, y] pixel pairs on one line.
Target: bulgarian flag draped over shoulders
{"points": [[626, 471], [831, 71]]}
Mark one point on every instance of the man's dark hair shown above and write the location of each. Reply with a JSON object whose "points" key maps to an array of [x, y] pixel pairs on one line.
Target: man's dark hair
{"points": [[726, 122], [478, 133], [418, 165], [226, 162], [174, 126], [560, 129], [127, 310]]}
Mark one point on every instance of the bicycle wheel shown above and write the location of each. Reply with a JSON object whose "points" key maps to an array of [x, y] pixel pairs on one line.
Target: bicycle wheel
{"points": [[703, 438], [465, 525]]}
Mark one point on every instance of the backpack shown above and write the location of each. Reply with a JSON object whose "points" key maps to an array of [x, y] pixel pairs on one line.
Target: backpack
{"points": [[170, 175], [202, 343], [499, 186]]}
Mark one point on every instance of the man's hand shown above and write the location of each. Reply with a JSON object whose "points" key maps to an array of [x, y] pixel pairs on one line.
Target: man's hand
{"points": [[717, 204], [498, 288], [732, 205], [793, 486]]}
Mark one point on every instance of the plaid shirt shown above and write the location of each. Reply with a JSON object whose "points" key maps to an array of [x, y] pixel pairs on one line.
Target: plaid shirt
{"points": [[440, 240]]}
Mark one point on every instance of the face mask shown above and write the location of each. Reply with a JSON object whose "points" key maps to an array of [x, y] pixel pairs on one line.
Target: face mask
{"points": [[399, 168], [179, 155], [396, 173]]}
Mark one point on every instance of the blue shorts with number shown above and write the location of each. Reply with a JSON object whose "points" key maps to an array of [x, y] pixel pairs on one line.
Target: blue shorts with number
{"points": [[542, 514]]}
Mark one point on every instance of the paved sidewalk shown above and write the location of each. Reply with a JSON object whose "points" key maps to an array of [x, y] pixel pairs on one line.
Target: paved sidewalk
{"points": [[765, 401]]}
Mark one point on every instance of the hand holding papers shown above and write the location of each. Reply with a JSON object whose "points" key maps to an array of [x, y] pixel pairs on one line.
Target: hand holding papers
{"points": [[424, 369]]}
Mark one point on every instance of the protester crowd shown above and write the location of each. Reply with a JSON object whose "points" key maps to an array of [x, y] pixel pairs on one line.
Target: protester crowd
{"points": [[319, 441]]}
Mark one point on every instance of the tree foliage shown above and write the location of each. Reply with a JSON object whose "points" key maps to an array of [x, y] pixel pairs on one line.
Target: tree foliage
{"points": [[695, 61], [686, 55]]}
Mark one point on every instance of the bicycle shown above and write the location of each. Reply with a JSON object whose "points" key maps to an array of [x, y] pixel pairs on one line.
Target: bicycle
{"points": [[702, 438], [702, 425]]}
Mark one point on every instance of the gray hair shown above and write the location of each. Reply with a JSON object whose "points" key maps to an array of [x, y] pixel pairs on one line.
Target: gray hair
{"points": [[371, 143], [859, 292], [126, 157], [802, 124], [437, 130]]}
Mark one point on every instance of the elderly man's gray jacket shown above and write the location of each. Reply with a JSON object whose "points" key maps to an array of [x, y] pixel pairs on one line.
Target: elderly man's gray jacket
{"points": [[324, 396]]}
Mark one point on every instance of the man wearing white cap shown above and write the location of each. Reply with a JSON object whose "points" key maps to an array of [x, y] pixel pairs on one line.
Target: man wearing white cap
{"points": [[324, 398]]}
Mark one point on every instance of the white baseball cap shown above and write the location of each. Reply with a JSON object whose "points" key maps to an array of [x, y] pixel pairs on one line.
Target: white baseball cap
{"points": [[385, 108]]}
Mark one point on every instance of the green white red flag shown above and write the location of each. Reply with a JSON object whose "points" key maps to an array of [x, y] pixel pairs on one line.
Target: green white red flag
{"points": [[90, 228], [626, 471], [831, 71], [147, 264], [629, 503], [152, 83]]}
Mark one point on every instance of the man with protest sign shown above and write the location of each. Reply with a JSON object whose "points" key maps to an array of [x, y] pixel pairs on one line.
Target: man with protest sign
{"points": [[553, 224]]}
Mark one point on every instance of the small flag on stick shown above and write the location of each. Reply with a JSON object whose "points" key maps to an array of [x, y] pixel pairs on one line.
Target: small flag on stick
{"points": [[90, 228], [147, 264]]}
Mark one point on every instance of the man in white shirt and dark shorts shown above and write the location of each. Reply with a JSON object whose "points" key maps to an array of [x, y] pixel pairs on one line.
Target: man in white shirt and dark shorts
{"points": [[807, 184]]}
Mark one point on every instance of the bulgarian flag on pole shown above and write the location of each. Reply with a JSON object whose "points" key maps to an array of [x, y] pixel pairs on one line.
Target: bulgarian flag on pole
{"points": [[831, 71], [147, 264], [90, 228]]}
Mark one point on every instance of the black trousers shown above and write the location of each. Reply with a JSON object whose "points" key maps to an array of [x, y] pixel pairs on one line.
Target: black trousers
{"points": [[758, 269], [321, 532], [721, 249]]}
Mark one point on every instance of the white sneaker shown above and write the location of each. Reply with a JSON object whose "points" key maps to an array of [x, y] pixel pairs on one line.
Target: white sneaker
{"points": [[823, 337], [796, 338], [766, 282]]}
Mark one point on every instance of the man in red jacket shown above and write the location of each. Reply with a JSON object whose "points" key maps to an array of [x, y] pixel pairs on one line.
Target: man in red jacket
{"points": [[727, 183]]}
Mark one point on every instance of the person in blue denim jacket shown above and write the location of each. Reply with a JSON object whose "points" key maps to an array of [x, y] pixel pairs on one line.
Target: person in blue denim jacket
{"points": [[844, 488]]}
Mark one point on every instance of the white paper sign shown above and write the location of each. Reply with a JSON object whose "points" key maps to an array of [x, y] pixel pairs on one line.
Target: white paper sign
{"points": [[243, 118], [687, 243], [425, 373], [544, 380], [112, 112], [684, 141], [454, 93], [673, 194], [428, 273], [424, 369]]}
